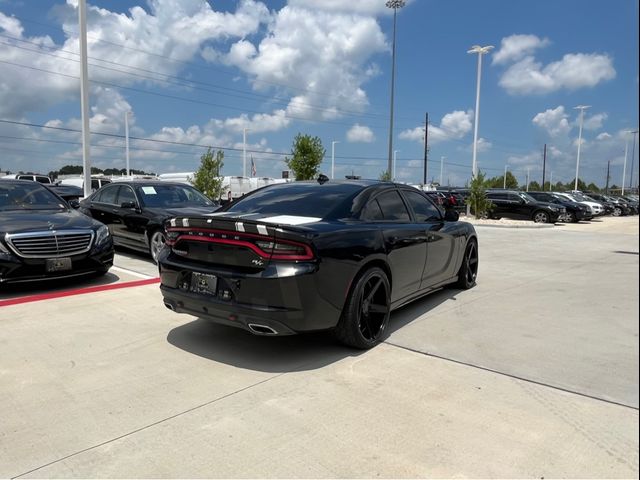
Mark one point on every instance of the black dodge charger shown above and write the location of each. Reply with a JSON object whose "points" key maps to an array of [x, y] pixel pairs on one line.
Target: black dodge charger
{"points": [[308, 256], [42, 238]]}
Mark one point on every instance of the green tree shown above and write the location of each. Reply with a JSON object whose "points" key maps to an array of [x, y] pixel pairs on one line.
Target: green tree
{"points": [[207, 178], [498, 182], [477, 199], [534, 186], [581, 185], [385, 176], [306, 156], [592, 187]]}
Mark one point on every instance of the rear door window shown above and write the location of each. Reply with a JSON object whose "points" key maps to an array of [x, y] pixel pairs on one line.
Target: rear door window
{"points": [[392, 206], [108, 195]]}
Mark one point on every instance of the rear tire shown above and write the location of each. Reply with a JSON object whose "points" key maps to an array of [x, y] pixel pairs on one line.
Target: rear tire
{"points": [[365, 316], [570, 217], [469, 269]]}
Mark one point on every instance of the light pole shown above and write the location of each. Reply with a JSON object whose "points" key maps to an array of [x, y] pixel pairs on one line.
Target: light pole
{"points": [[504, 183], [84, 96], [624, 165], [527, 179], [550, 181], [333, 156], [480, 51], [633, 154], [441, 168], [395, 4], [393, 176], [244, 152], [582, 108], [126, 138]]}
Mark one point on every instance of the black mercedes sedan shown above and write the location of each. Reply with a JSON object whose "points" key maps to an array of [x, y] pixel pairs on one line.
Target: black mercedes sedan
{"points": [[309, 256], [42, 238], [135, 210]]}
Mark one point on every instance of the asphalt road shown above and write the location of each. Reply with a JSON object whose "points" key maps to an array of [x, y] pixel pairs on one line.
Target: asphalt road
{"points": [[532, 373]]}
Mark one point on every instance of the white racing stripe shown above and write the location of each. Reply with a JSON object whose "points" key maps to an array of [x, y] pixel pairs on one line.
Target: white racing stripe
{"points": [[290, 220]]}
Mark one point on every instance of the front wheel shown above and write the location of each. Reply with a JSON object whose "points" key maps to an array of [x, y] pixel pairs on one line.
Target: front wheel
{"points": [[156, 243], [541, 217], [570, 217], [617, 211], [469, 269], [366, 313]]}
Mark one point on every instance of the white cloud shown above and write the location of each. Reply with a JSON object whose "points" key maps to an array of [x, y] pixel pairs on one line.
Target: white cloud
{"points": [[554, 121], [366, 7], [594, 122], [10, 25], [574, 71], [604, 136], [360, 133], [483, 145], [453, 126], [324, 53], [516, 47]]}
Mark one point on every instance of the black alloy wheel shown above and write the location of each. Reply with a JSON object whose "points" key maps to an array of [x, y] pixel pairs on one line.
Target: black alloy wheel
{"points": [[469, 269], [617, 211], [366, 313], [541, 217], [570, 217]]}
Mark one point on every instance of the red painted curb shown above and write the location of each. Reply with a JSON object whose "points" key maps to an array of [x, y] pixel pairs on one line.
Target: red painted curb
{"points": [[78, 291]]}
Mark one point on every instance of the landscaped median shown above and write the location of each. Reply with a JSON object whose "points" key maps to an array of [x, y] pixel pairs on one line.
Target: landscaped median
{"points": [[504, 222]]}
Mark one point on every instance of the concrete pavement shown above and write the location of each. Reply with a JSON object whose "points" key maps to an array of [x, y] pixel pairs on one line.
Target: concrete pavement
{"points": [[534, 372]]}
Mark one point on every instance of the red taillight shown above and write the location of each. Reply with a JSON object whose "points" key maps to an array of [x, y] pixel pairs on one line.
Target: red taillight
{"points": [[261, 245]]}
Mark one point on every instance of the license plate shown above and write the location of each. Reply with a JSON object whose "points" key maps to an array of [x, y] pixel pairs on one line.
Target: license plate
{"points": [[57, 264], [203, 283]]}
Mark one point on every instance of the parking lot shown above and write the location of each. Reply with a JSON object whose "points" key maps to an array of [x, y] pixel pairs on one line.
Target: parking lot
{"points": [[532, 373]]}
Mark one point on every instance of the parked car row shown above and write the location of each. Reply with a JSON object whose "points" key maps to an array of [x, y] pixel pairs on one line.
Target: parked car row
{"points": [[550, 207]]}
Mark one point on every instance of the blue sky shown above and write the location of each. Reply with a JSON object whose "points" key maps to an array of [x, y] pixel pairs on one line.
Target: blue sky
{"points": [[196, 73]]}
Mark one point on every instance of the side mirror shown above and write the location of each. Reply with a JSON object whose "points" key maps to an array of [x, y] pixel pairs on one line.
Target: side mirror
{"points": [[451, 215], [74, 204], [128, 205]]}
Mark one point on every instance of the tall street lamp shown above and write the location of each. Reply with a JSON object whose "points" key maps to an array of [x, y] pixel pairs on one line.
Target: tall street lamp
{"points": [[333, 156], [633, 154], [504, 182], [393, 175], [441, 168], [126, 138], [480, 51], [582, 108], [395, 4]]}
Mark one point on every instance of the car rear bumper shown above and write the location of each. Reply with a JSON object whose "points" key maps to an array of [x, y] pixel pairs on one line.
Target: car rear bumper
{"points": [[280, 300]]}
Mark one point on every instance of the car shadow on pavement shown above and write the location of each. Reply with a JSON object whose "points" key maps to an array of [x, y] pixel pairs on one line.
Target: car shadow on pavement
{"points": [[413, 311], [236, 347]]}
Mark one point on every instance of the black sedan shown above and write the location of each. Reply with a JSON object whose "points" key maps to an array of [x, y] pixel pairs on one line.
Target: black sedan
{"points": [[136, 210], [308, 256], [42, 238]]}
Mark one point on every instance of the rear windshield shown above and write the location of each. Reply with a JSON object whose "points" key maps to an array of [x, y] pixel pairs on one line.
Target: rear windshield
{"points": [[300, 199], [28, 196]]}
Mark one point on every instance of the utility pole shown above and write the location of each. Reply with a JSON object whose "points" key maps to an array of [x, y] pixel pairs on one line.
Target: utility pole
{"points": [[544, 164], [84, 96], [426, 141], [606, 188]]}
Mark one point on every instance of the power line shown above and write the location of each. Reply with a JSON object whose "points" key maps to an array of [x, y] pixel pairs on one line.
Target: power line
{"points": [[181, 81]]}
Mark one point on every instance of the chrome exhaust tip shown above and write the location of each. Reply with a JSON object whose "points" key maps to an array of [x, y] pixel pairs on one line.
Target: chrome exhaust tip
{"points": [[169, 306], [261, 329]]}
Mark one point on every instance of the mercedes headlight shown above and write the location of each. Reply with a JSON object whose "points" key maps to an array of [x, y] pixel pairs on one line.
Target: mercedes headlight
{"points": [[102, 234]]}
